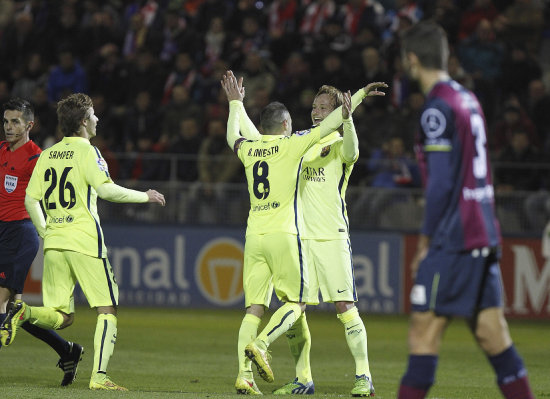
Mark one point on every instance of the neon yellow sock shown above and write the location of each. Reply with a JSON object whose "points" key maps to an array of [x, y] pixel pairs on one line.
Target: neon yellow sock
{"points": [[43, 317], [279, 323], [299, 342], [247, 334], [356, 337], [104, 342]]}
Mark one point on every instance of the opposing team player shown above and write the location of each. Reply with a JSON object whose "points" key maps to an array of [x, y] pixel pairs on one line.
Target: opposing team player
{"points": [[18, 238], [456, 265], [68, 178]]}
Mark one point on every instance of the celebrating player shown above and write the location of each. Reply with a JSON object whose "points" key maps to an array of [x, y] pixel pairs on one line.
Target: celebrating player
{"points": [[456, 264], [18, 238], [67, 178], [322, 186]]}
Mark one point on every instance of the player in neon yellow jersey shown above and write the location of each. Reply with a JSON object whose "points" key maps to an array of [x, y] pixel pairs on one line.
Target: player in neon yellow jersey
{"points": [[252, 279], [68, 178]]}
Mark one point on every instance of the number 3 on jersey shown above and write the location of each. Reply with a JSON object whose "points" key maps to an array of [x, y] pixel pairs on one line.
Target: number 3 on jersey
{"points": [[65, 187], [260, 172]]}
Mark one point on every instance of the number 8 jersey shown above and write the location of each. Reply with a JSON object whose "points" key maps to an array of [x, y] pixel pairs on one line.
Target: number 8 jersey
{"points": [[272, 166], [452, 152], [64, 180]]}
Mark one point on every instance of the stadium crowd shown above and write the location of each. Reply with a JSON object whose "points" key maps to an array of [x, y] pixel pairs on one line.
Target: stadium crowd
{"points": [[153, 70]]}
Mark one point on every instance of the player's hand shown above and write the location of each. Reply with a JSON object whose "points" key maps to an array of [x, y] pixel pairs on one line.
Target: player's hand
{"points": [[233, 88], [155, 196], [346, 105], [371, 89]]}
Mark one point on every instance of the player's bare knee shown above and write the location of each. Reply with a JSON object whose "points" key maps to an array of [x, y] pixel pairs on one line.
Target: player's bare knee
{"points": [[492, 335], [67, 320], [256, 310], [343, 307], [106, 310]]}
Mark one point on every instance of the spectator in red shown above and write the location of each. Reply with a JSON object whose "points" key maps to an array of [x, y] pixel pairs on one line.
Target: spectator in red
{"points": [[470, 18]]}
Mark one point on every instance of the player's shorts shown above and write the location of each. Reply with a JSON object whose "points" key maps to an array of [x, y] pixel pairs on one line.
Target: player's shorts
{"points": [[18, 248], [274, 260], [63, 268], [330, 270], [457, 283]]}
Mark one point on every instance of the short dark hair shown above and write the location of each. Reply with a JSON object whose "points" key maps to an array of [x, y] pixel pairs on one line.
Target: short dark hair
{"points": [[336, 95], [272, 116], [18, 104], [71, 111], [428, 41]]}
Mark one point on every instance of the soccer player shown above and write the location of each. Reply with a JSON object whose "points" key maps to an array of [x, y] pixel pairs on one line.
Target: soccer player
{"points": [[67, 179], [456, 264], [18, 238], [322, 186]]}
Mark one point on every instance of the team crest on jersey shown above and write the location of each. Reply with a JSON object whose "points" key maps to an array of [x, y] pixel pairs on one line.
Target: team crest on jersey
{"points": [[325, 151], [10, 183], [102, 165], [433, 122], [302, 132]]}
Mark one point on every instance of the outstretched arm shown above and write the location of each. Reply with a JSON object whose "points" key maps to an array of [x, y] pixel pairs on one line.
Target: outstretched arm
{"points": [[115, 193], [334, 119]]}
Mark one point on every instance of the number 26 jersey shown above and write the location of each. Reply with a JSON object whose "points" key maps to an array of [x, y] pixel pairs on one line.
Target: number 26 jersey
{"points": [[272, 166], [64, 180]]}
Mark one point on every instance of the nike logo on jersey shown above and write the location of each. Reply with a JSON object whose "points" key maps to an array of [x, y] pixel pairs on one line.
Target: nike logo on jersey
{"points": [[352, 326], [340, 291]]}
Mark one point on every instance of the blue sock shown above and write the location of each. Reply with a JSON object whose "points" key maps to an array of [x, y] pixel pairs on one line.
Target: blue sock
{"points": [[508, 365], [50, 337], [420, 371], [2, 317]]}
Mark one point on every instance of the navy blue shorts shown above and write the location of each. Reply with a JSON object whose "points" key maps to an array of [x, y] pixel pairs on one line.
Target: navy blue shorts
{"points": [[18, 248], [457, 284]]}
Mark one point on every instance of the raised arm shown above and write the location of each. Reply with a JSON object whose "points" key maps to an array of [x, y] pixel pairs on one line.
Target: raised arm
{"points": [[350, 147], [334, 119]]}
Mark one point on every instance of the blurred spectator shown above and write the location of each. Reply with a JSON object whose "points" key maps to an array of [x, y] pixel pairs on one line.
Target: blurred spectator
{"points": [[33, 75], [510, 175], [282, 21], [456, 72], [109, 75], [145, 74], [518, 69], [187, 143], [250, 38], [109, 127], [470, 18], [314, 17], [333, 38], [258, 75], [183, 74], [524, 23], [215, 45], [102, 28], [46, 113], [141, 123], [179, 108], [177, 35], [217, 166], [333, 72], [294, 76], [139, 36], [359, 13], [514, 118], [67, 77], [445, 12], [538, 108], [390, 168]]}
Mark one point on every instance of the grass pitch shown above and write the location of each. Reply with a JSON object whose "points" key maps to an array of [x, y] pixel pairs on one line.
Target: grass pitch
{"points": [[181, 353]]}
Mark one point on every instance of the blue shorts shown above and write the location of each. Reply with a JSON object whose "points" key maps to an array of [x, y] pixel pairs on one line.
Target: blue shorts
{"points": [[457, 283], [18, 248]]}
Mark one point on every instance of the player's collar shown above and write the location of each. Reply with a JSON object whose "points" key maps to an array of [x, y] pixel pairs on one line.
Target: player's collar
{"points": [[72, 139], [271, 137]]}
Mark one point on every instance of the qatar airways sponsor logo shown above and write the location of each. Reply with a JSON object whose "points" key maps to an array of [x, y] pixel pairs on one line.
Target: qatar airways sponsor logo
{"points": [[479, 194]]}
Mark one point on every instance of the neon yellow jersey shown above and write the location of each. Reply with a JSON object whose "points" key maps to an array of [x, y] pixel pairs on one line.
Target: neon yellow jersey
{"points": [[322, 186], [272, 165], [64, 179]]}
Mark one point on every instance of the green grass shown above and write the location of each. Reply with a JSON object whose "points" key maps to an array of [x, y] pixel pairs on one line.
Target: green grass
{"points": [[192, 354]]}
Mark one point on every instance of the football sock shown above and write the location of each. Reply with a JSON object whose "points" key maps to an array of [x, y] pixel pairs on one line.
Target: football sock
{"points": [[511, 374], [299, 342], [279, 323], [43, 317], [419, 377], [50, 337], [247, 334], [104, 341], [2, 317], [356, 337]]}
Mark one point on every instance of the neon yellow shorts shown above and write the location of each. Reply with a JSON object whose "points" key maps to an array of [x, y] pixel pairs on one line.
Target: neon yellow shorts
{"points": [[62, 269], [274, 260], [331, 269]]}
